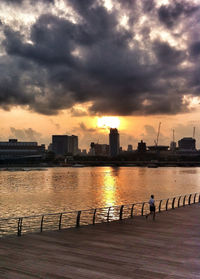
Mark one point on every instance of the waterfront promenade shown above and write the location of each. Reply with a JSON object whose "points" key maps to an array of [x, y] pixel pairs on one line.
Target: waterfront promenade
{"points": [[133, 248]]}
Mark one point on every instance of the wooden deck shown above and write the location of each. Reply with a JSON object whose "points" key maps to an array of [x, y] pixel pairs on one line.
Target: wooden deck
{"points": [[138, 248]]}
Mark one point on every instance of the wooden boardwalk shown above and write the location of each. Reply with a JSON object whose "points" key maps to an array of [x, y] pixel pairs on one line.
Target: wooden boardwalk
{"points": [[138, 248]]}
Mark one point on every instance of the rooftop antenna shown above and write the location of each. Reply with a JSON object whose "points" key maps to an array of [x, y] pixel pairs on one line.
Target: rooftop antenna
{"points": [[156, 141], [193, 132], [173, 136]]}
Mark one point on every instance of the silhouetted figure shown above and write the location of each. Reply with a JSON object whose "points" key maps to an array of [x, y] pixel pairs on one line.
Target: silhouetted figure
{"points": [[152, 207]]}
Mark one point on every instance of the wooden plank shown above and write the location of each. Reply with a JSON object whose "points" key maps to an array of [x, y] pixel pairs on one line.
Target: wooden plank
{"points": [[132, 248]]}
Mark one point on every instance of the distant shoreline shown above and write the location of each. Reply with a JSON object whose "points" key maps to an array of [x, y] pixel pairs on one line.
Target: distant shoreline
{"points": [[104, 164]]}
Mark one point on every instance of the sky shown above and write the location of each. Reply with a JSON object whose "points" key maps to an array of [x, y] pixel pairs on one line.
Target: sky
{"points": [[64, 64]]}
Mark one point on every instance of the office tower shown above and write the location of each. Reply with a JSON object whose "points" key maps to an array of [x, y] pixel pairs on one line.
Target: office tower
{"points": [[73, 145], [114, 142], [60, 144]]}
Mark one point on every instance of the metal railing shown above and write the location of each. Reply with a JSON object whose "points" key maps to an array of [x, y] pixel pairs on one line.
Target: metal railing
{"points": [[63, 220]]}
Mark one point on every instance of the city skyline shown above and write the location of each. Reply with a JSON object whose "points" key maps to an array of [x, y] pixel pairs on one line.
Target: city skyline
{"points": [[66, 64], [103, 138], [59, 143]]}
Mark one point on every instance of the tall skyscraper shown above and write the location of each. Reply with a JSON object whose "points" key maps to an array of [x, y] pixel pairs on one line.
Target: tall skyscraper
{"points": [[114, 142]]}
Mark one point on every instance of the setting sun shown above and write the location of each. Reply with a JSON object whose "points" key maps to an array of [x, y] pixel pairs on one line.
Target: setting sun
{"points": [[108, 122]]}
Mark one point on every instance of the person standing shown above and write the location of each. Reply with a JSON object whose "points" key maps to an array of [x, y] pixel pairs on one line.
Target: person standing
{"points": [[152, 207]]}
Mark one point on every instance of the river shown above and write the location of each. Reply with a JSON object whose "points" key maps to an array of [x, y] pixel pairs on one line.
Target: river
{"points": [[39, 191]]}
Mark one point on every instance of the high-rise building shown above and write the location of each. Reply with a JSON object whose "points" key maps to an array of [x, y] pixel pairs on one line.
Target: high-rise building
{"points": [[114, 142], [60, 144], [63, 144], [73, 145]]}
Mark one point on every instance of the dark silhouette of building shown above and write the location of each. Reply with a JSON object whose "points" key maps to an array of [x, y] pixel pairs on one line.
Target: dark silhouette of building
{"points": [[141, 146], [187, 144], [97, 149], [63, 144], [73, 145], [83, 152], [114, 142], [130, 148], [158, 148], [18, 149], [60, 144]]}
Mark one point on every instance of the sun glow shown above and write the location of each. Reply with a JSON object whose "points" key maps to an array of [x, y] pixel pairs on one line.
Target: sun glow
{"points": [[108, 122]]}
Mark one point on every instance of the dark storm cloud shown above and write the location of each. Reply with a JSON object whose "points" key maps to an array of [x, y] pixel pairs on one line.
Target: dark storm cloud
{"points": [[51, 45], [12, 88], [170, 14], [19, 2], [13, 1], [195, 49], [97, 60], [148, 5], [167, 54]]}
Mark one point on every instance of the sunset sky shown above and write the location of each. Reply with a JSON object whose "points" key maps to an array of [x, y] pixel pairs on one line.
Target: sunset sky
{"points": [[65, 64]]}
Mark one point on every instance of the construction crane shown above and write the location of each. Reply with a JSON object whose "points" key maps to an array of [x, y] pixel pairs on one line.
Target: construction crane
{"points": [[193, 132], [173, 144], [158, 134]]}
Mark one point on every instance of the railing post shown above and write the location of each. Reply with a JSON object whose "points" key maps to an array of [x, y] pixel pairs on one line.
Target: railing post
{"points": [[173, 202], [184, 200], [159, 208], [108, 214], [167, 204], [121, 213], [132, 210], [189, 199], [194, 201], [94, 215], [179, 201], [19, 228], [142, 212], [78, 219], [41, 225], [60, 221]]}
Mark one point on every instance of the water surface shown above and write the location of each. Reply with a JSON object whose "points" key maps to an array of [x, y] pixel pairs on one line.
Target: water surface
{"points": [[33, 192]]}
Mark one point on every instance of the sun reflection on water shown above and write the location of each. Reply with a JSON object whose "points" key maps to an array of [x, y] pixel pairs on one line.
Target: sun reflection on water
{"points": [[109, 188]]}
